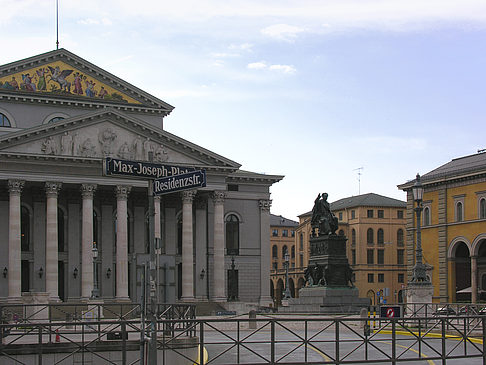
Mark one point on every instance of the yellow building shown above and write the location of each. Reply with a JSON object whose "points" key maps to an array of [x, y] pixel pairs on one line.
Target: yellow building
{"points": [[282, 241], [453, 228], [375, 228]]}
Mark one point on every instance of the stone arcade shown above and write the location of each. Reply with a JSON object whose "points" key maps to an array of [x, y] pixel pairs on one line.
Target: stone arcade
{"points": [[56, 203]]}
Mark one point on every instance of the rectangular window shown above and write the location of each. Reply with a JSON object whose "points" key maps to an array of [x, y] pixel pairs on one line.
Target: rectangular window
{"points": [[353, 214], [400, 258], [292, 233], [381, 257], [353, 257], [370, 260], [370, 213], [285, 233], [275, 266], [381, 278], [232, 187], [371, 278], [301, 259], [401, 278], [381, 213], [400, 214], [275, 232], [340, 216]]}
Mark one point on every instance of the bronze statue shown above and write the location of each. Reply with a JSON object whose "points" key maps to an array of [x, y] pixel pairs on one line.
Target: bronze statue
{"points": [[322, 217]]}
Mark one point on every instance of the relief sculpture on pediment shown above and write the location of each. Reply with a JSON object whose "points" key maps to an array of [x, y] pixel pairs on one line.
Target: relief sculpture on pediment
{"points": [[107, 139]]}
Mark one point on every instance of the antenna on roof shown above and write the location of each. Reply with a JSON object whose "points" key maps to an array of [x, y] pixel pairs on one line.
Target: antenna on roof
{"points": [[57, 24], [359, 178]]}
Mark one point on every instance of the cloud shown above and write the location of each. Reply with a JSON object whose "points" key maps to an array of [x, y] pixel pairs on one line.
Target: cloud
{"points": [[282, 32], [257, 65], [91, 21], [286, 69]]}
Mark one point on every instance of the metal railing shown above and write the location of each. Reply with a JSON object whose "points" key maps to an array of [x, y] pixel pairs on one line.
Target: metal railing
{"points": [[263, 340]]}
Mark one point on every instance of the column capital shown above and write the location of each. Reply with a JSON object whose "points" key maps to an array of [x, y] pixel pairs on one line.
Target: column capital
{"points": [[53, 188], [265, 204], [188, 196], [122, 191], [15, 186], [88, 190], [218, 196]]}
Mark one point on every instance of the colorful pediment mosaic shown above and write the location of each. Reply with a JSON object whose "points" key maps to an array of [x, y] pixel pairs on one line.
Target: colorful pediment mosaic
{"points": [[62, 79]]}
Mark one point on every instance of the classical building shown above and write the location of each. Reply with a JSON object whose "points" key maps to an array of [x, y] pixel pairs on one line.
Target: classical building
{"points": [[375, 228], [61, 117], [453, 227], [282, 241]]}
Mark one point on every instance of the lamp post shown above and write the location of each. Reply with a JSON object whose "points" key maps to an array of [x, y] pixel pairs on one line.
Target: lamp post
{"points": [[286, 263], [95, 293], [419, 274]]}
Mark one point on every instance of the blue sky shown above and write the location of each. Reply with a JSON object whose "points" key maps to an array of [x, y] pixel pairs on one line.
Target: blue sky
{"points": [[308, 89]]}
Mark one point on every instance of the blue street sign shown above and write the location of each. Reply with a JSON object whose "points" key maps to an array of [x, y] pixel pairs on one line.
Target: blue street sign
{"points": [[188, 181]]}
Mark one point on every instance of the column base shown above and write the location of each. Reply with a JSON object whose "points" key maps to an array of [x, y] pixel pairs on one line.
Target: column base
{"points": [[219, 299], [121, 300], [188, 299]]}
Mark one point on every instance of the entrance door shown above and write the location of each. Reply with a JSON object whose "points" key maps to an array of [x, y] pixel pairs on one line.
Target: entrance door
{"points": [[60, 280], [25, 275]]}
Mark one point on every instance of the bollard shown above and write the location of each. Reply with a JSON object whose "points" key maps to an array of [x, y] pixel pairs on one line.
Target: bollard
{"points": [[252, 320]]}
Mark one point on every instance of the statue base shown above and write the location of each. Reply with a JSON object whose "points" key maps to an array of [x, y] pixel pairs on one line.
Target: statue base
{"points": [[326, 300]]}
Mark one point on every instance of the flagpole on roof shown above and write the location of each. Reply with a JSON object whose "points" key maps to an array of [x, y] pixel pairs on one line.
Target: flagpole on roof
{"points": [[57, 24]]}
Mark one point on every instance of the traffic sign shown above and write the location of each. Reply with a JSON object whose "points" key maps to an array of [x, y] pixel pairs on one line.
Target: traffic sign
{"points": [[180, 182], [390, 311]]}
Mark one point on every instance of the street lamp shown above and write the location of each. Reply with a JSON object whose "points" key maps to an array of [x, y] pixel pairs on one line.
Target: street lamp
{"points": [[286, 263], [419, 270], [95, 293]]}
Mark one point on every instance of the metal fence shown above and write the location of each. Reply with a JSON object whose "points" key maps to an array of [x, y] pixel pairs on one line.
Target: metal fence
{"points": [[261, 340]]}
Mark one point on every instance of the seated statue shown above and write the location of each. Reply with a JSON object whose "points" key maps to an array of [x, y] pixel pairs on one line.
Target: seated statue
{"points": [[322, 217]]}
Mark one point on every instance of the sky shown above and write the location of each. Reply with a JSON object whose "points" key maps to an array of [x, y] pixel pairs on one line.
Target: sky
{"points": [[341, 96]]}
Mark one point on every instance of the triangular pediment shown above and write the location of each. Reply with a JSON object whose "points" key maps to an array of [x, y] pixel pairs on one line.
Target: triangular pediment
{"points": [[62, 75], [109, 133]]}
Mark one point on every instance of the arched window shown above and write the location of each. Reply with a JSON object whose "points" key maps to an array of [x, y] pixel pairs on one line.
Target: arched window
{"points": [[400, 237], [301, 244], [232, 235], [274, 251], [459, 215], [55, 119], [380, 237], [369, 236], [4, 122], [426, 216], [482, 208], [353, 237], [284, 251], [292, 252]]}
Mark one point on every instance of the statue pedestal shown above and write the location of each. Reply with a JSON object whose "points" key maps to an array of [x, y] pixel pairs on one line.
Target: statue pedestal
{"points": [[326, 300], [419, 296]]}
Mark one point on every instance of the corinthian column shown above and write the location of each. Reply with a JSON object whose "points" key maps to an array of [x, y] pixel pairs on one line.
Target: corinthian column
{"points": [[187, 246], [14, 280], [265, 298], [87, 192], [52, 191], [122, 242], [218, 274]]}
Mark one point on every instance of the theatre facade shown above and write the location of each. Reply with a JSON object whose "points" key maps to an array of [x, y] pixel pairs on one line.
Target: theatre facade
{"points": [[61, 118]]}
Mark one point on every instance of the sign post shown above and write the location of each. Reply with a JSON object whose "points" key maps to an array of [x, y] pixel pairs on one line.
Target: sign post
{"points": [[162, 179]]}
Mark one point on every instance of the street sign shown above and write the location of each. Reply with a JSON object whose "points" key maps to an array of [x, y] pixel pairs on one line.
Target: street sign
{"points": [[114, 166], [190, 180], [390, 312]]}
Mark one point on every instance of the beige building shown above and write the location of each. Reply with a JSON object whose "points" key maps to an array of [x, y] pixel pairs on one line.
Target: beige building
{"points": [[282, 241], [375, 228]]}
